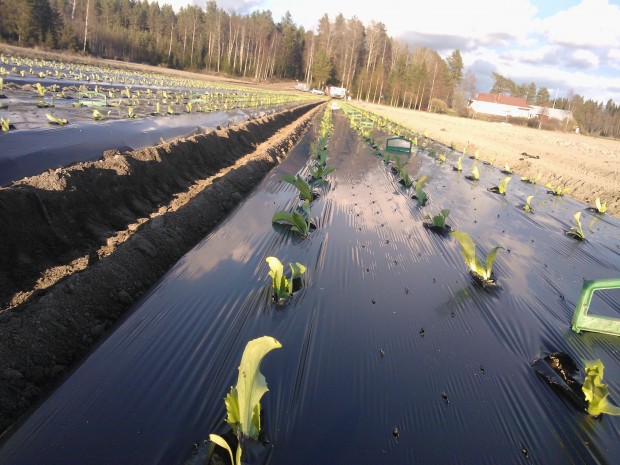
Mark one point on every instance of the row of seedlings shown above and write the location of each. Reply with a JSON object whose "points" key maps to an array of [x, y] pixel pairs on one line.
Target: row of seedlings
{"points": [[243, 401], [593, 394]]}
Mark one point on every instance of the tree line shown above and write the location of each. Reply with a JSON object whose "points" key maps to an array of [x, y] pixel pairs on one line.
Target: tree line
{"points": [[363, 58]]}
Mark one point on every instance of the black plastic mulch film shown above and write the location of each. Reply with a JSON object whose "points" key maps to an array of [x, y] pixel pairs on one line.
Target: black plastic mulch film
{"points": [[391, 353]]}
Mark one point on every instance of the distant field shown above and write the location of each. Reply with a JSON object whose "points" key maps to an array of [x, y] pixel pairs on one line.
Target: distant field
{"points": [[587, 165]]}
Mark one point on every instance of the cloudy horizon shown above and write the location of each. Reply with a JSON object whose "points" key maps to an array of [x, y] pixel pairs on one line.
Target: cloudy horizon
{"points": [[564, 45]]}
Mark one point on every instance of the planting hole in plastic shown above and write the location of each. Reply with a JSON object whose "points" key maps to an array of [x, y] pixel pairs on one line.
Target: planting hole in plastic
{"points": [[398, 145], [582, 321]]}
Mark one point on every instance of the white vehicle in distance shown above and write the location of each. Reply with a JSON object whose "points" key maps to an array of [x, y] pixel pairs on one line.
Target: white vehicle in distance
{"points": [[317, 91]]}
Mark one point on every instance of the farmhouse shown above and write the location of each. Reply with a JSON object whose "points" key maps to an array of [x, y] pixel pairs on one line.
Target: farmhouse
{"points": [[500, 105], [505, 105]]}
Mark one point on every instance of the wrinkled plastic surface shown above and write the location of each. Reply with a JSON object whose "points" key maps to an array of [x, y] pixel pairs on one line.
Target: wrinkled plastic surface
{"points": [[391, 353], [31, 152]]}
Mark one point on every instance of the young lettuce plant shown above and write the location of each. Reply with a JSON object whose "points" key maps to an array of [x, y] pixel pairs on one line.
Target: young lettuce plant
{"points": [[58, 121], [5, 124], [506, 169], [399, 165], [405, 178], [459, 164], [296, 220], [305, 191], [501, 189], [475, 174], [576, 231], [480, 272], [532, 180], [243, 401], [320, 172], [558, 191], [600, 207], [283, 287], [438, 221], [528, 207], [595, 391], [420, 195]]}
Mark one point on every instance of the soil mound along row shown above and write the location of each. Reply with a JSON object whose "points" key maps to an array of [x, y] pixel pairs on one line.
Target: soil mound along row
{"points": [[82, 243]]}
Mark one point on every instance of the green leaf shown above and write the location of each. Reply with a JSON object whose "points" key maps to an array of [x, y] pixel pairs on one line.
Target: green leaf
{"points": [[297, 269], [595, 391], [601, 207], [282, 215], [419, 192], [305, 191], [278, 279], [59, 121], [490, 260], [504, 184], [475, 173], [468, 248], [252, 385], [232, 409], [220, 441], [301, 224]]}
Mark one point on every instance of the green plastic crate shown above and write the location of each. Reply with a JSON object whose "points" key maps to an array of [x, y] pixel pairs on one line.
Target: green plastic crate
{"points": [[398, 145], [599, 324]]}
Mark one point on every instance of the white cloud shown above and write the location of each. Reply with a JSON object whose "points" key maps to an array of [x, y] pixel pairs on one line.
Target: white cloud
{"points": [[550, 76], [590, 24]]}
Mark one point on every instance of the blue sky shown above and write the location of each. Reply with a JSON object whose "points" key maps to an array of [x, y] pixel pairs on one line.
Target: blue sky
{"points": [[561, 44]]}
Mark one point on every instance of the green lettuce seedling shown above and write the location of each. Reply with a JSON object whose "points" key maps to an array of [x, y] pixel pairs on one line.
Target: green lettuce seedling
{"points": [[40, 89], [283, 287], [504, 185], [501, 189], [442, 158], [600, 207], [98, 116], [576, 231], [559, 191], [459, 165], [58, 121], [5, 124], [532, 180], [475, 174], [476, 267], [296, 220], [305, 191], [243, 401], [507, 169], [406, 179], [439, 221], [320, 172], [595, 391], [420, 195], [528, 207]]}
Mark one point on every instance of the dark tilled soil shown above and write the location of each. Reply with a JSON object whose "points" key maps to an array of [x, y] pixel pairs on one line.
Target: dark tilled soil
{"points": [[81, 244]]}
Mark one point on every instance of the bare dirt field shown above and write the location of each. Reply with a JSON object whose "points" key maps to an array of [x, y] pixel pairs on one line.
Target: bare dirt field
{"points": [[589, 166]]}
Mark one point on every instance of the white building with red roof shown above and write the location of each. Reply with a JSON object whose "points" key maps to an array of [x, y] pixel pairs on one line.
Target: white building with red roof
{"points": [[500, 105], [505, 105]]}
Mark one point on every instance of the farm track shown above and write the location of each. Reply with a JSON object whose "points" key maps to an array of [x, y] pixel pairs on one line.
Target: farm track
{"points": [[82, 244]]}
